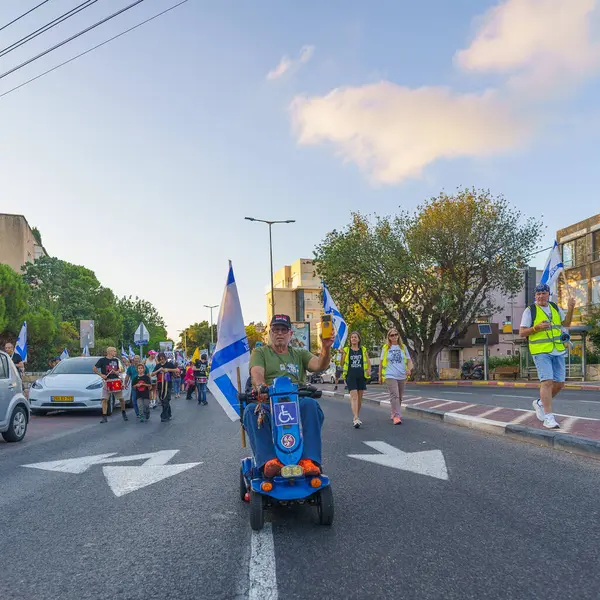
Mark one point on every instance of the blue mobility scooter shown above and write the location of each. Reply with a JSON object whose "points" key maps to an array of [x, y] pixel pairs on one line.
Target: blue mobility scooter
{"points": [[292, 486]]}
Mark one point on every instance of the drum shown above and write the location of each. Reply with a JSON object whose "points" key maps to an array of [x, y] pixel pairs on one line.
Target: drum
{"points": [[114, 385], [201, 379]]}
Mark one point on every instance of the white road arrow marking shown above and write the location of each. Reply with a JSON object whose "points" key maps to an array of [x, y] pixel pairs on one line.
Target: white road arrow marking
{"points": [[427, 462], [122, 480]]}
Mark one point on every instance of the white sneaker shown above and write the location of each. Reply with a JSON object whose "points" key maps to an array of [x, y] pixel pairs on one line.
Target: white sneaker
{"points": [[539, 410], [550, 422], [356, 422]]}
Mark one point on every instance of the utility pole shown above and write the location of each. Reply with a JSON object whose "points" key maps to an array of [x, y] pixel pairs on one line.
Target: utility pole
{"points": [[270, 224], [212, 335]]}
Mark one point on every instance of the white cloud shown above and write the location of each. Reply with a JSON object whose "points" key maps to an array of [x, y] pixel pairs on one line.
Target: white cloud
{"points": [[393, 132], [545, 41], [286, 63]]}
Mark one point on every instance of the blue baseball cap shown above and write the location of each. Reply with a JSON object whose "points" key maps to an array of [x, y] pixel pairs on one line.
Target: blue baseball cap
{"points": [[542, 287]]}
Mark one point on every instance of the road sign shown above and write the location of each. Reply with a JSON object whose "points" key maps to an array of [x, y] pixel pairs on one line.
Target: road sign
{"points": [[427, 462], [141, 335], [121, 480], [86, 333]]}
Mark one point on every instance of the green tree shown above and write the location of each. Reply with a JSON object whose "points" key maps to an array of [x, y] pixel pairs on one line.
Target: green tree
{"points": [[136, 311], [13, 301], [430, 273], [198, 336], [254, 331], [41, 336]]}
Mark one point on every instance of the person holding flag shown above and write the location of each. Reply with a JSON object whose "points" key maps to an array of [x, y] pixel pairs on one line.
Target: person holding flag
{"points": [[15, 357], [542, 324]]}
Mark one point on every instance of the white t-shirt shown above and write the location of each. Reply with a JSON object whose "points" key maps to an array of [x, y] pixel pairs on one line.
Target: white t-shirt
{"points": [[526, 321], [395, 363]]}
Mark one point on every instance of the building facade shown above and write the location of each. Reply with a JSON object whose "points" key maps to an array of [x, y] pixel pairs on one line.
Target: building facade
{"points": [[297, 293], [18, 245]]}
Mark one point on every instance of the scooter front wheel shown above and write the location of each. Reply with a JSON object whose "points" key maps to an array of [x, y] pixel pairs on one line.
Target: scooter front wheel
{"points": [[257, 511], [325, 506], [243, 488]]}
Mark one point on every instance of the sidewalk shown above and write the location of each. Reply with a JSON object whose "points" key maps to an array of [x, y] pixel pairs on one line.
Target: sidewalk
{"points": [[589, 386], [579, 435]]}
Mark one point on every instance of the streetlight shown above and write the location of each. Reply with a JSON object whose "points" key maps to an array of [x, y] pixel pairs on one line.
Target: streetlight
{"points": [[270, 224], [212, 341], [184, 331]]}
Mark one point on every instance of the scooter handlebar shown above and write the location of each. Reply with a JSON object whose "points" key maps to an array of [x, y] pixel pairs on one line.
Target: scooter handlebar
{"points": [[304, 392]]}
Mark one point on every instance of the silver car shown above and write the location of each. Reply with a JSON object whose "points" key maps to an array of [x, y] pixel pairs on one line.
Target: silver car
{"points": [[14, 407]]}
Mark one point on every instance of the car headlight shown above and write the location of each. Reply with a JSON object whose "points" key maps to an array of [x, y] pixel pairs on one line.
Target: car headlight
{"points": [[95, 386], [37, 385]]}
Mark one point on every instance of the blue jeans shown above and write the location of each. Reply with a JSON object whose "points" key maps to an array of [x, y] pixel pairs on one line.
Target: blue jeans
{"points": [[261, 440], [201, 387], [550, 367], [134, 401], [176, 385]]}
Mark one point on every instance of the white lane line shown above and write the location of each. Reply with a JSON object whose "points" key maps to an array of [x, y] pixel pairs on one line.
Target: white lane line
{"points": [[490, 412], [461, 393], [263, 576], [526, 414], [456, 410], [567, 424], [588, 401], [512, 396], [428, 400]]}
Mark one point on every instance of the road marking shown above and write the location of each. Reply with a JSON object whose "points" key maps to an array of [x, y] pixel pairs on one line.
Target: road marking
{"points": [[460, 393], [589, 401], [483, 415], [263, 572], [512, 396], [455, 410], [121, 480], [428, 400], [427, 462], [522, 417]]}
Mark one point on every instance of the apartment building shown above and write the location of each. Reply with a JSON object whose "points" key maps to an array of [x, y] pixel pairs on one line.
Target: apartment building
{"points": [[18, 244]]}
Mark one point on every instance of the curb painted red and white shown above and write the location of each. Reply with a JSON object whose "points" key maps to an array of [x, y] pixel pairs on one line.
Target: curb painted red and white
{"points": [[579, 435], [508, 384]]}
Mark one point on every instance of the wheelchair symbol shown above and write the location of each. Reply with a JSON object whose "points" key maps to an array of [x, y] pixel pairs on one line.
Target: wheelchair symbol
{"points": [[286, 413]]}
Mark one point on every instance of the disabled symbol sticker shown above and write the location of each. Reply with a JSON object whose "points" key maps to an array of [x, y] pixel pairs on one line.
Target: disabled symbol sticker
{"points": [[288, 440], [286, 413]]}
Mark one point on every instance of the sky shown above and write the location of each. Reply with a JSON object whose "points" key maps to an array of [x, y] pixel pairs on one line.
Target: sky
{"points": [[141, 159]]}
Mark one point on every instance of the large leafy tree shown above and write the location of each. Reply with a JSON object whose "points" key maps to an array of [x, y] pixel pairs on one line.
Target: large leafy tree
{"points": [[13, 301], [430, 273], [197, 335], [255, 333], [134, 311]]}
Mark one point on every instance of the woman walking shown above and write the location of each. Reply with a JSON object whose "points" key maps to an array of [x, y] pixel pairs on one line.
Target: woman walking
{"points": [[356, 371], [394, 368], [150, 366]]}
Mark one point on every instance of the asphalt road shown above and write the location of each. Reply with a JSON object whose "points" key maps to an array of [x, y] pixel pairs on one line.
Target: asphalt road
{"points": [[578, 403], [511, 521]]}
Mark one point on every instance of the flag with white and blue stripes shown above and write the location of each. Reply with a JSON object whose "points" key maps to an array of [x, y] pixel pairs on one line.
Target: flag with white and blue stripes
{"points": [[330, 308], [21, 347]]}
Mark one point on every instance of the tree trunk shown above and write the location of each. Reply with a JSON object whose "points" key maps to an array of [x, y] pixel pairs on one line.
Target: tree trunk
{"points": [[425, 364]]}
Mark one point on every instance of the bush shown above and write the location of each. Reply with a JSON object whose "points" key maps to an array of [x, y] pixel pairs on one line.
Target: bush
{"points": [[503, 361]]}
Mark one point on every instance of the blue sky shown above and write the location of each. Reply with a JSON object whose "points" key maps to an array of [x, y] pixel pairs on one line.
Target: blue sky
{"points": [[141, 159]]}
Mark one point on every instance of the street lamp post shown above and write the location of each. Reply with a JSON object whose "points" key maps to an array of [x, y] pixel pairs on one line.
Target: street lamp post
{"points": [[270, 224], [212, 340]]}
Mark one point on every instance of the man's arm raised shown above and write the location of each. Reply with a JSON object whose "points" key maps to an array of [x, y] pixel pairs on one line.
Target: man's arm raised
{"points": [[321, 362]]}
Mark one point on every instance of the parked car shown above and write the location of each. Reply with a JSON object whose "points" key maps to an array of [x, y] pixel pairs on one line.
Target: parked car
{"points": [[71, 385], [14, 407]]}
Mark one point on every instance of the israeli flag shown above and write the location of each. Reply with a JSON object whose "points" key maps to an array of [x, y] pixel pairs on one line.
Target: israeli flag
{"points": [[131, 352], [123, 353], [341, 329], [553, 266], [21, 347], [65, 354], [232, 351], [86, 351]]}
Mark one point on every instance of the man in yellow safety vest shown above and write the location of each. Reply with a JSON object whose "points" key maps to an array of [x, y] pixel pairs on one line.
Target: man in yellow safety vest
{"points": [[542, 324]]}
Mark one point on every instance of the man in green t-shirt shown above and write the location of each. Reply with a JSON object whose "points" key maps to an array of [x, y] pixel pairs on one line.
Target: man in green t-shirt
{"points": [[279, 359]]}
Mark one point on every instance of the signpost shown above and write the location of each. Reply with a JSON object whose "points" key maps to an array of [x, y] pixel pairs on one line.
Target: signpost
{"points": [[485, 330], [141, 337]]}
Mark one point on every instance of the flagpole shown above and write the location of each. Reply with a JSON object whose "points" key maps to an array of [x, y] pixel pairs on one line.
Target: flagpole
{"points": [[242, 430]]}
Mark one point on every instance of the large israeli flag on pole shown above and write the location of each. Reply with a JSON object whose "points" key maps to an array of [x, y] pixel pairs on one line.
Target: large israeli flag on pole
{"points": [[553, 267], [232, 351], [21, 347], [341, 329]]}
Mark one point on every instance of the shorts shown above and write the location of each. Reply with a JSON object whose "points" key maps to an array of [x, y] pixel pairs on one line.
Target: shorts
{"points": [[356, 382], [550, 367], [338, 372]]}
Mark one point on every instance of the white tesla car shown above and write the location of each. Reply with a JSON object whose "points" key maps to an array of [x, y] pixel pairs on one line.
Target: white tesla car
{"points": [[71, 385]]}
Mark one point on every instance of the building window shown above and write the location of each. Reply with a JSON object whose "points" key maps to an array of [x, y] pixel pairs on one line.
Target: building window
{"points": [[596, 290], [596, 245], [508, 352], [576, 252]]}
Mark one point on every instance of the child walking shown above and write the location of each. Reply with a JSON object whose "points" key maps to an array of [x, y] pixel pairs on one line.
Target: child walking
{"points": [[142, 384]]}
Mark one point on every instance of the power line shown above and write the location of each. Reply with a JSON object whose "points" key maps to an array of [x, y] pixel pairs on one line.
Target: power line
{"points": [[91, 49], [70, 39], [47, 26], [23, 15]]}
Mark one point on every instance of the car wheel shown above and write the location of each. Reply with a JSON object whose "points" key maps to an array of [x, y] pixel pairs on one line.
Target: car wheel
{"points": [[17, 427]]}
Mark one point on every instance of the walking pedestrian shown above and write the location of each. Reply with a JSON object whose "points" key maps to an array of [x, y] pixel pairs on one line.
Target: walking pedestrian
{"points": [[130, 374], [201, 372], [356, 371], [142, 384], [394, 368], [190, 383], [109, 369], [336, 359], [542, 324], [150, 366], [164, 371]]}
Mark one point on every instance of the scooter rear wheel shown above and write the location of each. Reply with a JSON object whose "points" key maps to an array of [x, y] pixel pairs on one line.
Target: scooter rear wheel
{"points": [[325, 506], [257, 511]]}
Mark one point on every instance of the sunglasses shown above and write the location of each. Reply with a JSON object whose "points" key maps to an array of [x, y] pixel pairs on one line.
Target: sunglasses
{"points": [[393, 335]]}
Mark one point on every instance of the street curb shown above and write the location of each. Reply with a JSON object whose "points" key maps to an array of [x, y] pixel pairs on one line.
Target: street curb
{"points": [[553, 439], [507, 384]]}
